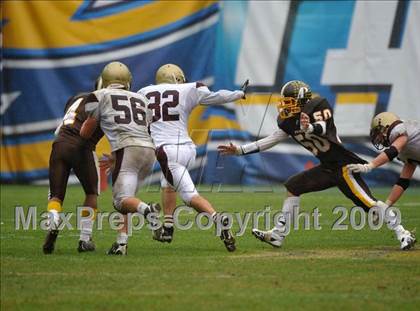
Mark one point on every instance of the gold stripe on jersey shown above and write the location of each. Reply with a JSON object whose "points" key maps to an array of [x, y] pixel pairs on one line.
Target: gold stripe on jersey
{"points": [[356, 189]]}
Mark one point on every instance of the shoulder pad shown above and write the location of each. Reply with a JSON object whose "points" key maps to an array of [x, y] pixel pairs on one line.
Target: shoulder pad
{"points": [[315, 104]]}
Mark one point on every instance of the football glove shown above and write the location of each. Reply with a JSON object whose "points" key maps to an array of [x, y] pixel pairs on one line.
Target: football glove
{"points": [[360, 168], [244, 87]]}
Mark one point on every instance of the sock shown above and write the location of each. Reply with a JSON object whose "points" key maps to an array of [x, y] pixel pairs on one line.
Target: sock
{"points": [[399, 230], [143, 208], [391, 219], [86, 226], [214, 216], [122, 238], [168, 221], [54, 206], [54, 220], [290, 206]]}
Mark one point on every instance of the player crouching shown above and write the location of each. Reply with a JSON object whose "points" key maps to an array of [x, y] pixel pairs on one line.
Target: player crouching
{"points": [[402, 139]]}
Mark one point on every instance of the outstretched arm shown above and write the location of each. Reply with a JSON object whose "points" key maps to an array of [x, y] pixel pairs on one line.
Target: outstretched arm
{"points": [[402, 183], [257, 146], [384, 157], [221, 97], [208, 97]]}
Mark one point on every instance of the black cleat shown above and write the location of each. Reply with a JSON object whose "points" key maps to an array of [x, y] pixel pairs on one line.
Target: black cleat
{"points": [[153, 208], [163, 234], [227, 237], [49, 243], [86, 246], [118, 249]]}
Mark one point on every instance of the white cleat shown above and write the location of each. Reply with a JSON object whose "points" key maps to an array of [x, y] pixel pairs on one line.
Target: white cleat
{"points": [[408, 239], [269, 237]]}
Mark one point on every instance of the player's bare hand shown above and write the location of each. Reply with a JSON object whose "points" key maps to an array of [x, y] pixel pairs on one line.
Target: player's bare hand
{"points": [[230, 149], [107, 163], [304, 121]]}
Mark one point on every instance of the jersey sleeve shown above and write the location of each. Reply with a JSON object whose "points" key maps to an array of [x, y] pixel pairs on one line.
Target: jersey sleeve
{"points": [[322, 121], [207, 97], [91, 105], [264, 143], [69, 102], [397, 131]]}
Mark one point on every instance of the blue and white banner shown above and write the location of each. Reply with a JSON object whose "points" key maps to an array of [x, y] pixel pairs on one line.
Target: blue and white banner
{"points": [[363, 56]]}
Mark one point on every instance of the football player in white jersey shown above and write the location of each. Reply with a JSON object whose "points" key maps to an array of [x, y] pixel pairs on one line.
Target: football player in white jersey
{"points": [[124, 118], [402, 140], [172, 100]]}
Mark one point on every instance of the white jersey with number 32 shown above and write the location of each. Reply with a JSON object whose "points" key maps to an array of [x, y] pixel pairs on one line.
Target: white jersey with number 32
{"points": [[172, 104]]}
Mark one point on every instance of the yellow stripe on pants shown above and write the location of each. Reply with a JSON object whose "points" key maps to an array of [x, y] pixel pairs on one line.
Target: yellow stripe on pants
{"points": [[362, 196]]}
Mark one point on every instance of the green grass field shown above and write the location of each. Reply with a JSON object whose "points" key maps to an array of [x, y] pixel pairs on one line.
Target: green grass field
{"points": [[347, 270]]}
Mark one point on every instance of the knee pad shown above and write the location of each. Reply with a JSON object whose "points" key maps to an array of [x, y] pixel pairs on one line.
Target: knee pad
{"points": [[118, 203], [187, 196]]}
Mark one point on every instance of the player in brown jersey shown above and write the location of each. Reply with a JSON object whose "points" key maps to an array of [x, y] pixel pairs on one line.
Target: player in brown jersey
{"points": [[71, 152], [309, 121]]}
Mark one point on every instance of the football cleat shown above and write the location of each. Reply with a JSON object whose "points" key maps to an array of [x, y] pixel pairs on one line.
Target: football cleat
{"points": [[227, 237], [153, 208], [86, 246], [269, 237], [118, 249], [408, 239], [163, 234], [49, 243]]}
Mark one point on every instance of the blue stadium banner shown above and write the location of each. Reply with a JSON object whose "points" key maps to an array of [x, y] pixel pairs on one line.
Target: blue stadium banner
{"points": [[363, 56]]}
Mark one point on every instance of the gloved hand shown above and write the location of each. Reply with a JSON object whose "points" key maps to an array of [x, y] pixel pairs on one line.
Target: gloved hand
{"points": [[360, 168], [244, 87]]}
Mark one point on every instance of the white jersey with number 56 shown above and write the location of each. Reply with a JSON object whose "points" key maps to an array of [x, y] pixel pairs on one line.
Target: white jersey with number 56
{"points": [[122, 115], [172, 104]]}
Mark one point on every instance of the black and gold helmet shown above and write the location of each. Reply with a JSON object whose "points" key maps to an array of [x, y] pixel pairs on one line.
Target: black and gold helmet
{"points": [[294, 95]]}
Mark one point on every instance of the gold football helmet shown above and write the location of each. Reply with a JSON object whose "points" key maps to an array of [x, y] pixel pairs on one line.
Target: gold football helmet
{"points": [[379, 129], [170, 73], [118, 73], [98, 83], [294, 94]]}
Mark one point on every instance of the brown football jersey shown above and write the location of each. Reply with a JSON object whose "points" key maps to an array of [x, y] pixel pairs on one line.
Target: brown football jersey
{"points": [[74, 117], [328, 147]]}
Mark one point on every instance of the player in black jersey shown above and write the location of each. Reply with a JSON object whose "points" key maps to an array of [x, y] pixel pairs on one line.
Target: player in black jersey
{"points": [[72, 152], [309, 121]]}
